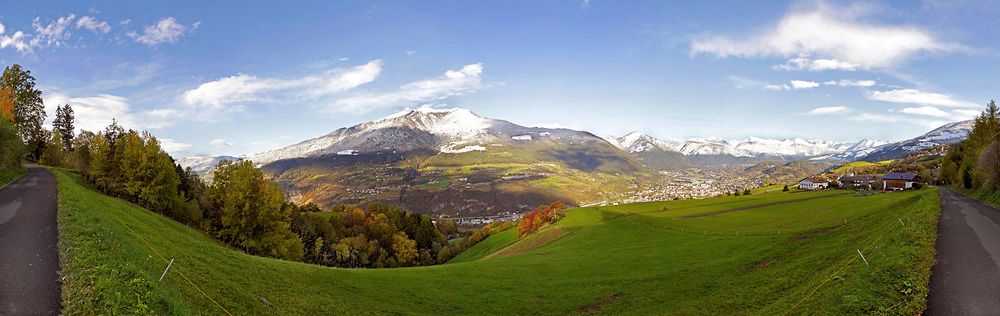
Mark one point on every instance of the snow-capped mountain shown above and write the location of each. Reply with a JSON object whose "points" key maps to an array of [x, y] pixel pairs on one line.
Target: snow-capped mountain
{"points": [[635, 142], [947, 134], [202, 165], [440, 130]]}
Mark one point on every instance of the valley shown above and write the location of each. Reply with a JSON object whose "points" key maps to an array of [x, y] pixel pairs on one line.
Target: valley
{"points": [[455, 163]]}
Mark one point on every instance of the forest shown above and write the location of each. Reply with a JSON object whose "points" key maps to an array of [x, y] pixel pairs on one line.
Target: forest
{"points": [[241, 206], [974, 163]]}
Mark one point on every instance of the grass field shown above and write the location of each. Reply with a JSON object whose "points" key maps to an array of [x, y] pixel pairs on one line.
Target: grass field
{"points": [[9, 175], [774, 253], [856, 164]]}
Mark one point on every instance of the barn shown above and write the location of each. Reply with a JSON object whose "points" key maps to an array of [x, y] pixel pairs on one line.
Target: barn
{"points": [[899, 181]]}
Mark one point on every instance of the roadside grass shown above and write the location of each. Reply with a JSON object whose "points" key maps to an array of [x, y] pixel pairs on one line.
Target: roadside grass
{"points": [[989, 197], [9, 175], [626, 259]]}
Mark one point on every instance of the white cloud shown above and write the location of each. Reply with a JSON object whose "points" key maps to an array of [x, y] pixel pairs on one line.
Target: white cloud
{"points": [[92, 113], [962, 114], [851, 83], [883, 118], [52, 34], [219, 142], [232, 94], [171, 146], [801, 84], [452, 83], [18, 40], [167, 30], [835, 36], [792, 85], [926, 111], [93, 24], [803, 63], [913, 96], [829, 110]]}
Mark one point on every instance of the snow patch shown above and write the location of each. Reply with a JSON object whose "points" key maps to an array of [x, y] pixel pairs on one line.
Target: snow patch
{"points": [[521, 137]]}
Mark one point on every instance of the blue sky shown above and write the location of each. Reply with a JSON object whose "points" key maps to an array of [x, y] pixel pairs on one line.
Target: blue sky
{"points": [[235, 78]]}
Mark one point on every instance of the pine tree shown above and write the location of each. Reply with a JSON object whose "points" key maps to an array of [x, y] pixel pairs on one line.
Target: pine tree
{"points": [[63, 124], [29, 110]]}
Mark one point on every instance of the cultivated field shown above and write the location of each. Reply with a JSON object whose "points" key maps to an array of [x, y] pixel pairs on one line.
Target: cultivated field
{"points": [[773, 253]]}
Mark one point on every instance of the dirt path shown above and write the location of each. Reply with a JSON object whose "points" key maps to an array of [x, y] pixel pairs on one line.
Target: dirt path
{"points": [[966, 277], [29, 259]]}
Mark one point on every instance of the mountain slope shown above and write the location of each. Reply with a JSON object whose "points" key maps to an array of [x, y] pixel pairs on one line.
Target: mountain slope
{"points": [[946, 134], [451, 161]]}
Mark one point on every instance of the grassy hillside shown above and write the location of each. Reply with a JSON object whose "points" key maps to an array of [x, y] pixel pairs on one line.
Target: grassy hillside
{"points": [[860, 165], [770, 253], [9, 175], [988, 197]]}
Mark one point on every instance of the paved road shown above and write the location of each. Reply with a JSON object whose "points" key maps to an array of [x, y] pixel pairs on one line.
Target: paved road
{"points": [[966, 279], [29, 259]]}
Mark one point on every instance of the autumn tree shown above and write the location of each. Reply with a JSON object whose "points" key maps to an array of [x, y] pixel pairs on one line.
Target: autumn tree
{"points": [[250, 213], [29, 111]]}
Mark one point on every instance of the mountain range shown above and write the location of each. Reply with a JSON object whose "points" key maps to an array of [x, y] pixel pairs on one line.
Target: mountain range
{"points": [[455, 161]]}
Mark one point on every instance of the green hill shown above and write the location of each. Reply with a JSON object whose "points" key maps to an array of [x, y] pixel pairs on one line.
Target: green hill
{"points": [[770, 253]]}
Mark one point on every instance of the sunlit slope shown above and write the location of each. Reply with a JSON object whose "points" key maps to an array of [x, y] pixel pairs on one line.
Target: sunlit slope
{"points": [[649, 258]]}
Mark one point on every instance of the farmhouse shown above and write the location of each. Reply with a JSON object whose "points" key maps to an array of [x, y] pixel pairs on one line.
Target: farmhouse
{"points": [[813, 184], [866, 181], [899, 180]]}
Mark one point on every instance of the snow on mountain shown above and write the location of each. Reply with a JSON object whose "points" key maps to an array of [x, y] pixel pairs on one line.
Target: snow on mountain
{"points": [[636, 142], [708, 146], [202, 165], [755, 146], [445, 130], [947, 134]]}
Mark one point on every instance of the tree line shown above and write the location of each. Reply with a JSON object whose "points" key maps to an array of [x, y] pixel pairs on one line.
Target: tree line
{"points": [[241, 206], [974, 163]]}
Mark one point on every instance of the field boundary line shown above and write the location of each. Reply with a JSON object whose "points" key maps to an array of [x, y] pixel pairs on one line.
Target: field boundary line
{"points": [[175, 269], [853, 258]]}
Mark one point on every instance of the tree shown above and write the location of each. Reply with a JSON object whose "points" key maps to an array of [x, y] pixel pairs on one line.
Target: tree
{"points": [[63, 124], [785, 189], [29, 110], [746, 192], [53, 153], [250, 212], [10, 145], [404, 249]]}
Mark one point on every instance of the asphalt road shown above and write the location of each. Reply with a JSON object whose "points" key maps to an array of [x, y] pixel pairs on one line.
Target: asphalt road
{"points": [[29, 259], [966, 277]]}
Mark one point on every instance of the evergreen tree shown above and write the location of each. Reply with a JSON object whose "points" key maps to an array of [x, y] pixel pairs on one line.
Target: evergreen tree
{"points": [[63, 124], [29, 111]]}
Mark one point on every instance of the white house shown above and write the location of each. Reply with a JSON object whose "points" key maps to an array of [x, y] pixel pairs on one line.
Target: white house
{"points": [[809, 184]]}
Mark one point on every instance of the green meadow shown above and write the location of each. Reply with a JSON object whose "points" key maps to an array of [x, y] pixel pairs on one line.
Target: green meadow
{"points": [[770, 254]]}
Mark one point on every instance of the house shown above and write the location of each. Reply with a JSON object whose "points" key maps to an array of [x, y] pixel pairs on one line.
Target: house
{"points": [[813, 184], [865, 181], [834, 176], [899, 181]]}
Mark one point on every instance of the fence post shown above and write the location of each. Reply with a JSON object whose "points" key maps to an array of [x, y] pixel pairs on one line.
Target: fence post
{"points": [[167, 269]]}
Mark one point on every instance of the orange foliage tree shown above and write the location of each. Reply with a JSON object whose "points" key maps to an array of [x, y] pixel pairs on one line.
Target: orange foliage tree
{"points": [[7, 103], [541, 215]]}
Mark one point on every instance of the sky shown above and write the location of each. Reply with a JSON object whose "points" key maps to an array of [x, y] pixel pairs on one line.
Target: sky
{"points": [[234, 78]]}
